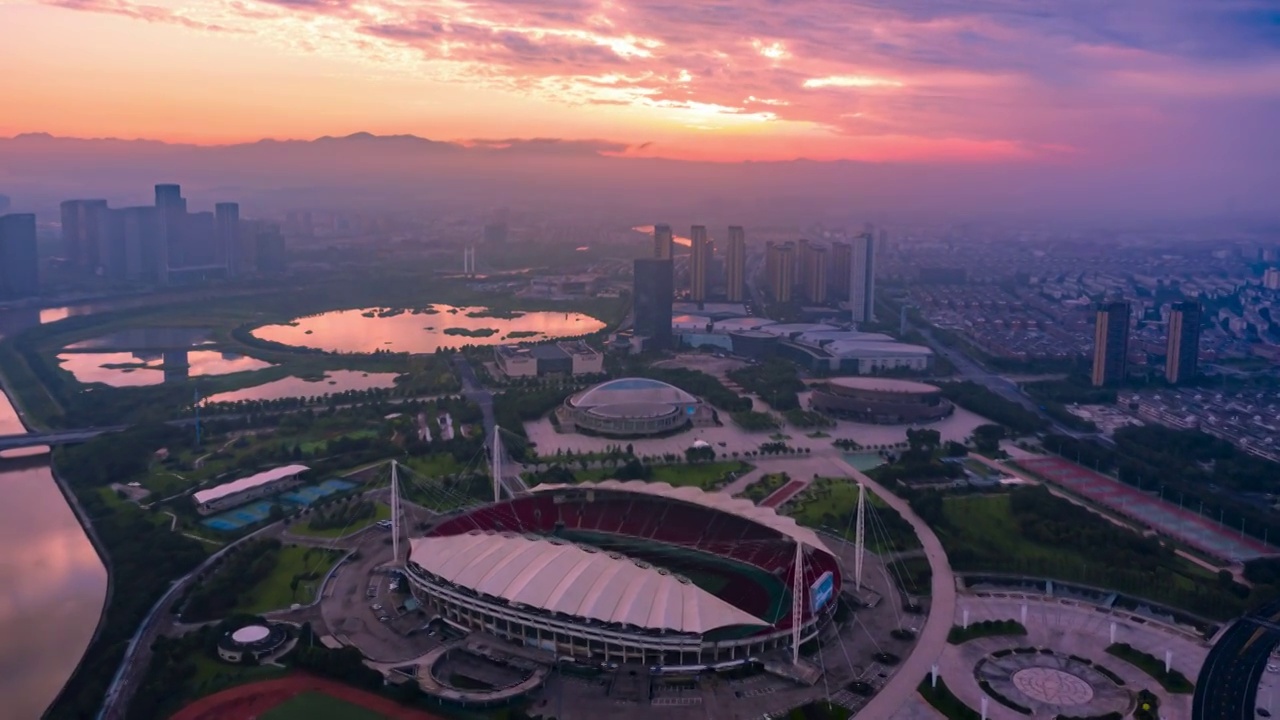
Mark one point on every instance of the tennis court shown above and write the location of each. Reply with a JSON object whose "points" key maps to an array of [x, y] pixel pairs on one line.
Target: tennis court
{"points": [[1193, 529], [240, 517], [311, 493]]}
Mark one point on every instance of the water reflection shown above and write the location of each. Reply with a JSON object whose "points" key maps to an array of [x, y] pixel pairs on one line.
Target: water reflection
{"points": [[334, 382], [141, 368], [52, 584], [366, 330]]}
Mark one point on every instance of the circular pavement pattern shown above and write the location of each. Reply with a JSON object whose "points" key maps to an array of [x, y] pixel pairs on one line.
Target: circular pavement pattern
{"points": [[1052, 686]]}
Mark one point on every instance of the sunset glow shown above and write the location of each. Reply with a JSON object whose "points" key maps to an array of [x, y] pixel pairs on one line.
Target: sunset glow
{"points": [[719, 80]]}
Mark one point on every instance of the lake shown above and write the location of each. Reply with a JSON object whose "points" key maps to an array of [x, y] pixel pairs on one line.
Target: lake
{"points": [[365, 330], [334, 381], [52, 584], [153, 367]]}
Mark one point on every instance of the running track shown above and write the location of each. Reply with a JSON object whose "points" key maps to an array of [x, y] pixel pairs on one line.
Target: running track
{"points": [[247, 702]]}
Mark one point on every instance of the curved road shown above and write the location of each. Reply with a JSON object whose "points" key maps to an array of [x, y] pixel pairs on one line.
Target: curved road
{"points": [[900, 688], [1228, 683]]}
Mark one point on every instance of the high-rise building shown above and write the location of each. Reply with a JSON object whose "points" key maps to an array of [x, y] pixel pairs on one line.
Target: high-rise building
{"points": [[19, 268], [782, 271], [662, 242], [495, 233], [112, 255], [141, 242], [651, 299], [803, 248], [735, 270], [1111, 343], [1183, 353], [862, 278], [699, 260], [815, 276], [200, 240], [171, 210], [268, 248], [81, 222], [838, 274], [227, 228]]}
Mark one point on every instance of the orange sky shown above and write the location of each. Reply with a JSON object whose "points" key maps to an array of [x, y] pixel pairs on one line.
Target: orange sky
{"points": [[716, 80]]}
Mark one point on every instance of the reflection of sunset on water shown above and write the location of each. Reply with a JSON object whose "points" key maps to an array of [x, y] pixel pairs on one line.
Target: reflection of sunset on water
{"points": [[52, 587], [677, 239], [335, 381], [351, 331], [88, 367]]}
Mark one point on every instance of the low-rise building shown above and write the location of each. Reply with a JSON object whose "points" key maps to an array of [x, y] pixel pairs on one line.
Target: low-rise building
{"points": [[239, 492], [565, 358]]}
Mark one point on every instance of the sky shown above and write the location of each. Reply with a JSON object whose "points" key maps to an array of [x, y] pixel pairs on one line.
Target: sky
{"points": [[1183, 84]]}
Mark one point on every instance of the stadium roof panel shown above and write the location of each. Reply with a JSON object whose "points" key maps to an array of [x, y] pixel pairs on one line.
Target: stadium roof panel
{"points": [[880, 384], [715, 500], [628, 391], [269, 476], [565, 578]]}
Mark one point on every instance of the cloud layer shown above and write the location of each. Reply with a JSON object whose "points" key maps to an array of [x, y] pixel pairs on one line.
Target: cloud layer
{"points": [[1065, 81]]}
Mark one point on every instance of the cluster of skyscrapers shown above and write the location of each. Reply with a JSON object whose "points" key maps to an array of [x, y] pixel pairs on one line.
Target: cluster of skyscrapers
{"points": [[703, 263], [821, 274], [166, 244], [1111, 343]]}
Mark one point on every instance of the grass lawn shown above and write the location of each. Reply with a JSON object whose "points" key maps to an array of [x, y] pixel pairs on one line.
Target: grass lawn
{"points": [[703, 475], [381, 512], [436, 465], [275, 592], [318, 706], [833, 503], [213, 675]]}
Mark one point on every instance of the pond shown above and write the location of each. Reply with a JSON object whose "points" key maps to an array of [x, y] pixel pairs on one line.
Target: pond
{"points": [[365, 330], [334, 381], [137, 369]]}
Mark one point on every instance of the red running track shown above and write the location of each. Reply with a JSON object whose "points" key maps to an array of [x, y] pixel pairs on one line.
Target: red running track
{"points": [[247, 702], [783, 494]]}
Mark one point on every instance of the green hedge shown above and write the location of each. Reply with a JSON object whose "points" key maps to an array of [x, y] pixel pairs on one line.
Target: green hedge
{"points": [[1173, 681]]}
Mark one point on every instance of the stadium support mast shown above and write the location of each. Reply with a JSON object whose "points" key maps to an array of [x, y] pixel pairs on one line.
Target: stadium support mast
{"points": [[497, 463], [797, 604], [859, 543], [395, 513]]}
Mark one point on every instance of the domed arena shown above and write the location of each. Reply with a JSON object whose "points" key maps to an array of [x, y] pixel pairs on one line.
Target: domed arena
{"points": [[628, 572], [633, 407]]}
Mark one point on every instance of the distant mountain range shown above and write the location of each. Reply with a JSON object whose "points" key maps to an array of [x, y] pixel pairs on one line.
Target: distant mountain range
{"points": [[587, 177]]}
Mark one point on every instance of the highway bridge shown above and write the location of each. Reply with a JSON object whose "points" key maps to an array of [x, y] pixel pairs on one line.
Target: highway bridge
{"points": [[1228, 684], [57, 437]]}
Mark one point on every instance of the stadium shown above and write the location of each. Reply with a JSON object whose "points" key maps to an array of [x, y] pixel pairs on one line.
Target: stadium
{"points": [[629, 572], [633, 407], [881, 401]]}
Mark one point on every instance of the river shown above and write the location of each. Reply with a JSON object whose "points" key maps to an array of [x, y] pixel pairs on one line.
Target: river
{"points": [[52, 583]]}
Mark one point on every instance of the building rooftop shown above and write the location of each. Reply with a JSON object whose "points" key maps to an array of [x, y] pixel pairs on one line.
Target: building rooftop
{"points": [[577, 347], [548, 351], [583, 582], [263, 478], [883, 385], [632, 391]]}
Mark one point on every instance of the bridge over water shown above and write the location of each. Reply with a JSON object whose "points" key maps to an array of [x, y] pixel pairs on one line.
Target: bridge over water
{"points": [[56, 437]]}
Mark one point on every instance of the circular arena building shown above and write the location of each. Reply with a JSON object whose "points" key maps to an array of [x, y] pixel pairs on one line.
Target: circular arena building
{"points": [[633, 407], [256, 641], [882, 401], [628, 572]]}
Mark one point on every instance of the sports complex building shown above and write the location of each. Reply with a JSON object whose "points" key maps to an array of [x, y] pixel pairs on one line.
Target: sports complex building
{"points": [[882, 401], [632, 407], [629, 572]]}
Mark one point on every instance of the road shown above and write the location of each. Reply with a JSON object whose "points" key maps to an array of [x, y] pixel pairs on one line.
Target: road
{"points": [[901, 687], [63, 437], [1227, 687], [476, 393], [970, 370]]}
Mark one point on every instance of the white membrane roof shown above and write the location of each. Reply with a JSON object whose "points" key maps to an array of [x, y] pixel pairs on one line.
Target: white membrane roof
{"points": [[263, 478], [715, 500], [565, 578]]}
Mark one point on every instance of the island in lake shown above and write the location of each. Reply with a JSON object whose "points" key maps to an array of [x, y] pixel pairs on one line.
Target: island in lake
{"points": [[468, 332]]}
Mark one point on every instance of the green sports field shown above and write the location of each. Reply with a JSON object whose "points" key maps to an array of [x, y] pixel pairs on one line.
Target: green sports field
{"points": [[318, 706]]}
